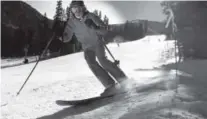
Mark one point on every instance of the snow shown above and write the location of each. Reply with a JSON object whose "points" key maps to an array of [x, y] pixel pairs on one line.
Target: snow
{"points": [[10, 62], [158, 91]]}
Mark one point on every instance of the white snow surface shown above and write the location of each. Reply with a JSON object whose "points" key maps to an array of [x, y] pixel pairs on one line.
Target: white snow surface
{"points": [[157, 90]]}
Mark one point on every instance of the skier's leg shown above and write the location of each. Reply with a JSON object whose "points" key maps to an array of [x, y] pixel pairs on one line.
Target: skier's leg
{"points": [[98, 71], [109, 66]]}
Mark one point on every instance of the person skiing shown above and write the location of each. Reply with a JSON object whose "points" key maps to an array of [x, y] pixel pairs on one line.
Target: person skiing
{"points": [[28, 38], [89, 30]]}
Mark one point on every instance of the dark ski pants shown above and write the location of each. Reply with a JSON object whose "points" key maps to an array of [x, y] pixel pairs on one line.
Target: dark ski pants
{"points": [[105, 67]]}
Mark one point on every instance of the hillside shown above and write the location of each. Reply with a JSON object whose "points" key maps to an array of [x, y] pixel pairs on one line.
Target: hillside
{"points": [[19, 19]]}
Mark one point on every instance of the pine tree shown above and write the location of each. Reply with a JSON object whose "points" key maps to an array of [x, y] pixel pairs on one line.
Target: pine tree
{"points": [[45, 21], [59, 10], [58, 16], [100, 15], [57, 26], [106, 20], [95, 12], [45, 15], [64, 15], [68, 12]]}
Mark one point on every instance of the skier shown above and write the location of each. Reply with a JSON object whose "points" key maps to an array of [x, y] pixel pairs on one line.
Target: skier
{"points": [[28, 38], [26, 61], [89, 29]]}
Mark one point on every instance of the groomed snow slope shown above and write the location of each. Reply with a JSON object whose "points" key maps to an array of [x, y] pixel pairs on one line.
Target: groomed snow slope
{"points": [[157, 93]]}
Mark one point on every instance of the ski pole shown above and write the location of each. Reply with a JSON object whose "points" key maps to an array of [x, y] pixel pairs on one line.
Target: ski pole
{"points": [[48, 44], [117, 62]]}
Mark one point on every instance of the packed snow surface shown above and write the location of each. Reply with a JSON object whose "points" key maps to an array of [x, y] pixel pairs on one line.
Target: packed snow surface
{"points": [[159, 88]]}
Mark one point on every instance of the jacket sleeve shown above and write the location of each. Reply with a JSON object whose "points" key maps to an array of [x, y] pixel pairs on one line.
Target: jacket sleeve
{"points": [[68, 32], [102, 26]]}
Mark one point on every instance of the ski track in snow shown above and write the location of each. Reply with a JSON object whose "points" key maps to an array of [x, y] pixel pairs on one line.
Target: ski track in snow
{"points": [[156, 92]]}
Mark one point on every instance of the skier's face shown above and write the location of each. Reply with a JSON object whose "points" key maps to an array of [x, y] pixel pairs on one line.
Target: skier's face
{"points": [[77, 11]]}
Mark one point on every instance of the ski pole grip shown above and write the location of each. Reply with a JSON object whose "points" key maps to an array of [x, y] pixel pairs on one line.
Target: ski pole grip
{"points": [[117, 62]]}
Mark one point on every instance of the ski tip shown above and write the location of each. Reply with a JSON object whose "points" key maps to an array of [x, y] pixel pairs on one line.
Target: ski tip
{"points": [[61, 102]]}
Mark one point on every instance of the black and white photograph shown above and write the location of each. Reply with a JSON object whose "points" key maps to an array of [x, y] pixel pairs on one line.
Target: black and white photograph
{"points": [[100, 59]]}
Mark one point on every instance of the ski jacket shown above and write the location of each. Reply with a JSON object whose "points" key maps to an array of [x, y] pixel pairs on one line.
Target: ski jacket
{"points": [[87, 31]]}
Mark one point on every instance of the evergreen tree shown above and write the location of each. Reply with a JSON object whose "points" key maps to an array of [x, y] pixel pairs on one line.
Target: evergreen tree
{"points": [[45, 14], [59, 11], [106, 20], [95, 12], [57, 27], [45, 21], [58, 17], [68, 12], [64, 15], [100, 15]]}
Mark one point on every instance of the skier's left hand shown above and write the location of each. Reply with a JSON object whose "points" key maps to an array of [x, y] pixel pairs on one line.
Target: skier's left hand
{"points": [[60, 38], [118, 39]]}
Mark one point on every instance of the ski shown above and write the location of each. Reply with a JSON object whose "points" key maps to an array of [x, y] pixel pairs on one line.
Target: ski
{"points": [[82, 101]]}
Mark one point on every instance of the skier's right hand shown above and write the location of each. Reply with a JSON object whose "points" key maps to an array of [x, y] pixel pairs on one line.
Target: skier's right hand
{"points": [[118, 39], [61, 39]]}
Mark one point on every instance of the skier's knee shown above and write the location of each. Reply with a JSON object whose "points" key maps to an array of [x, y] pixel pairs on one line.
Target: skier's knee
{"points": [[103, 61], [106, 64]]}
